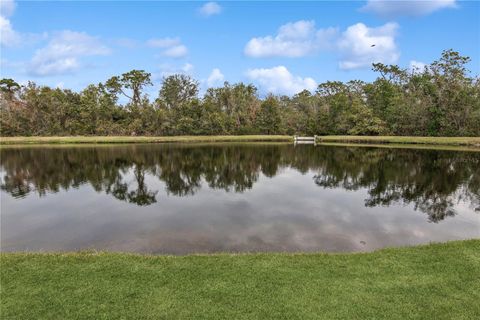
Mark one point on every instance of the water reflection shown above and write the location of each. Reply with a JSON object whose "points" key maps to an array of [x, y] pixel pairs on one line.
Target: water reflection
{"points": [[433, 181]]}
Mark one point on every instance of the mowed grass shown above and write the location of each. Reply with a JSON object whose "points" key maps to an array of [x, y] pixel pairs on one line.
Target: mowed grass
{"points": [[142, 139], [459, 141], [452, 141], [438, 281]]}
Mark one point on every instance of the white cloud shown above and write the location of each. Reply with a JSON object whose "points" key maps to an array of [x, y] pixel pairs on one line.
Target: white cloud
{"points": [[279, 80], [395, 8], [172, 47], [210, 8], [216, 77], [8, 36], [61, 55], [360, 46], [294, 39], [417, 66]]}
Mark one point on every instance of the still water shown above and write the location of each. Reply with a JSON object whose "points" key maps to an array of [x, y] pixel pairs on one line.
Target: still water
{"points": [[178, 199]]}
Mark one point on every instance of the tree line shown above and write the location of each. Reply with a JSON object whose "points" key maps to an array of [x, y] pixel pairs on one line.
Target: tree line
{"points": [[440, 100]]}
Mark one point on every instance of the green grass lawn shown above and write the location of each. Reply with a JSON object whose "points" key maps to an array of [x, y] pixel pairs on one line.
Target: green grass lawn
{"points": [[474, 141], [141, 139], [438, 281]]}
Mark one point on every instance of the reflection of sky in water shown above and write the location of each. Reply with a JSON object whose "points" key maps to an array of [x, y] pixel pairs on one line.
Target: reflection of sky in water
{"points": [[288, 212]]}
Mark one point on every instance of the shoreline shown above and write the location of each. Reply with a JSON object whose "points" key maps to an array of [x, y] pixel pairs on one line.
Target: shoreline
{"points": [[399, 140], [95, 252]]}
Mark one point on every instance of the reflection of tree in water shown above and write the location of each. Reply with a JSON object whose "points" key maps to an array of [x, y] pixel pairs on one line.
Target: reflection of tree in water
{"points": [[141, 196], [433, 181]]}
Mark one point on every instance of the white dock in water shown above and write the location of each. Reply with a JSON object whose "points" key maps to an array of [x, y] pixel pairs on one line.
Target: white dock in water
{"points": [[305, 140]]}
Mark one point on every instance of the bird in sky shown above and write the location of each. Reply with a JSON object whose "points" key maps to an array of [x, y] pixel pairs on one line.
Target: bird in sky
{"points": [[372, 46]]}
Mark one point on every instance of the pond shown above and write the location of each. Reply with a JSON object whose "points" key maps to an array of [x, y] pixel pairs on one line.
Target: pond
{"points": [[186, 198]]}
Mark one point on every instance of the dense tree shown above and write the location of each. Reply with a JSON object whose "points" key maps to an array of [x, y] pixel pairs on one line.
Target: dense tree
{"points": [[176, 90], [440, 100], [239, 102], [268, 120]]}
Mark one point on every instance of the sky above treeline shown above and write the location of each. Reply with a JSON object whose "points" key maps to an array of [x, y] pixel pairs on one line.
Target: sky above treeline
{"points": [[281, 47]]}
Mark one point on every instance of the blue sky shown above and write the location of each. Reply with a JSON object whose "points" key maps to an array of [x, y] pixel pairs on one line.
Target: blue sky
{"points": [[282, 47]]}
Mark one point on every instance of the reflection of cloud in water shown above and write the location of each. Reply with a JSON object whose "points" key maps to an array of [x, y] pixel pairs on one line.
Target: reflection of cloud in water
{"points": [[262, 219]]}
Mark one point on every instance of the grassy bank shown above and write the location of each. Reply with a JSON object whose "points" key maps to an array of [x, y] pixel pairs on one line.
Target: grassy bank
{"points": [[439, 281], [448, 141], [140, 139], [455, 141]]}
